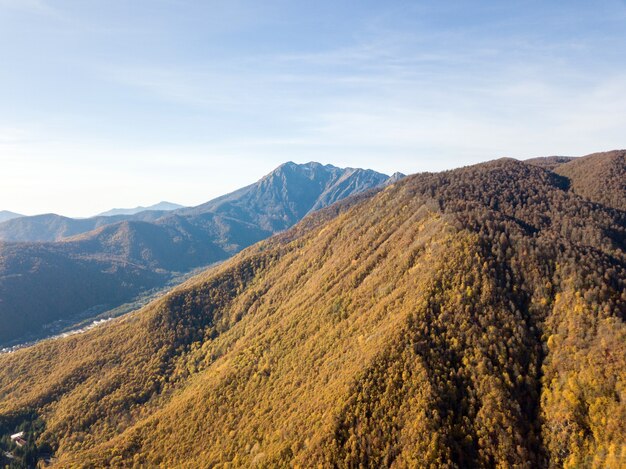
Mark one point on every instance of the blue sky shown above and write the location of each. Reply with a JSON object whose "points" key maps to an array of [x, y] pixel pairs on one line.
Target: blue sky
{"points": [[128, 102]]}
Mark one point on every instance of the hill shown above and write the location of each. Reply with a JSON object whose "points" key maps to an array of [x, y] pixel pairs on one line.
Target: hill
{"points": [[5, 215], [51, 227], [161, 206], [600, 177], [470, 318], [549, 162], [86, 274]]}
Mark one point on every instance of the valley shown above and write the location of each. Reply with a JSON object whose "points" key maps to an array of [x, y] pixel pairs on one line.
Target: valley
{"points": [[55, 271]]}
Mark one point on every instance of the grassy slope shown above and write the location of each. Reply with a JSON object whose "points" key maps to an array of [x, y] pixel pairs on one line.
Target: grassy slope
{"points": [[466, 318]]}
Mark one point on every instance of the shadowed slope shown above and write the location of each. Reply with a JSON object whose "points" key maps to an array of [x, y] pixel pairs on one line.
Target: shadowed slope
{"points": [[44, 282]]}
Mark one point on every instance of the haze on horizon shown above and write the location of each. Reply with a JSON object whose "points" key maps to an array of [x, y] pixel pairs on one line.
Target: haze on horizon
{"points": [[117, 104]]}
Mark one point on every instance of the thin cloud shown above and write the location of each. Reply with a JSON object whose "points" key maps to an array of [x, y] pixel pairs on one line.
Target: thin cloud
{"points": [[393, 88], [38, 7]]}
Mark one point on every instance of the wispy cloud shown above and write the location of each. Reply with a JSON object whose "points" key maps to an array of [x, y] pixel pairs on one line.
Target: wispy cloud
{"points": [[193, 89], [384, 94], [39, 7], [14, 135]]}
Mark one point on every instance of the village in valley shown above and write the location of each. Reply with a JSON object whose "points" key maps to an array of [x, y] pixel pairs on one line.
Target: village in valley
{"points": [[20, 442], [18, 450]]}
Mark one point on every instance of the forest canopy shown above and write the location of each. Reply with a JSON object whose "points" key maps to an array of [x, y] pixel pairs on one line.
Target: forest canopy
{"points": [[469, 318]]}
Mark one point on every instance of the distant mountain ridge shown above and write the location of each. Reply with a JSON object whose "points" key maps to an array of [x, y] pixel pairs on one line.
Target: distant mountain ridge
{"points": [[273, 203], [51, 227], [109, 260], [5, 215], [161, 206], [289, 193]]}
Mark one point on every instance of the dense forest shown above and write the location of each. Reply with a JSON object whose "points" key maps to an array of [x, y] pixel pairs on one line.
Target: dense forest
{"points": [[599, 177], [469, 318]]}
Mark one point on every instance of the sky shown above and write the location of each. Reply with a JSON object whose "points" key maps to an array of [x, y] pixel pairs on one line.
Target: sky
{"points": [[119, 103]]}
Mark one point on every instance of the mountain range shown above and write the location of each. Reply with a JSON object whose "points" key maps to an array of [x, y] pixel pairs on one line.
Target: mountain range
{"points": [[468, 318], [99, 263], [161, 207], [53, 227], [5, 215], [49, 227]]}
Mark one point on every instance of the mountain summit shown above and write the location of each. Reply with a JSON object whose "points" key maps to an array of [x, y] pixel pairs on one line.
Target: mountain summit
{"points": [[289, 193], [273, 203]]}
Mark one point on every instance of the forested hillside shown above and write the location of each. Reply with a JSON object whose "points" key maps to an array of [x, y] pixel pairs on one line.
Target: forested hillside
{"points": [[98, 270], [44, 282], [470, 318], [599, 177]]}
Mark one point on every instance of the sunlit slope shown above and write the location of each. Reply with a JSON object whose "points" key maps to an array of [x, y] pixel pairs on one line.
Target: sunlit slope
{"points": [[462, 319]]}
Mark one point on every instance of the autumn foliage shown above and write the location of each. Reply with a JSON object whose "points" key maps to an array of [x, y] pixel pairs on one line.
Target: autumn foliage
{"points": [[470, 318]]}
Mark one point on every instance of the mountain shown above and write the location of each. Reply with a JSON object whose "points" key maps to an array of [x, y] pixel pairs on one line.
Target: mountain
{"points": [[86, 274], [469, 318], [6, 215], [274, 203], [52, 227], [161, 207], [289, 193]]}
